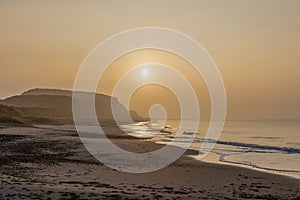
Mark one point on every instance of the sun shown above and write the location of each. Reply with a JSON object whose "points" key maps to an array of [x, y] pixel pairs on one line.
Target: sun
{"points": [[145, 72]]}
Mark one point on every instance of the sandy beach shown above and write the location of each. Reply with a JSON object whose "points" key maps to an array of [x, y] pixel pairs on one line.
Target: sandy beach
{"points": [[50, 162], [150, 100]]}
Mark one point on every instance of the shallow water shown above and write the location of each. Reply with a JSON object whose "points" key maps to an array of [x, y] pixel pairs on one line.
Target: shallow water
{"points": [[270, 145]]}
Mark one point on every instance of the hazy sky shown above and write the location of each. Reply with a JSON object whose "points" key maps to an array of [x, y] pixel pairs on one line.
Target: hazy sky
{"points": [[255, 43]]}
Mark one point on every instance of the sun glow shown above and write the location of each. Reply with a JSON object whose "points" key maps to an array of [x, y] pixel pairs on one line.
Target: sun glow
{"points": [[145, 72]]}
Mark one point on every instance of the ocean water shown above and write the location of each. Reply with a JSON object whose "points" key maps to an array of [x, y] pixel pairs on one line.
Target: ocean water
{"points": [[268, 145]]}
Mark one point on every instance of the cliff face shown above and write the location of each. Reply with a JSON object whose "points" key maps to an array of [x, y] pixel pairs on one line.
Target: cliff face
{"points": [[10, 111], [57, 105], [11, 116]]}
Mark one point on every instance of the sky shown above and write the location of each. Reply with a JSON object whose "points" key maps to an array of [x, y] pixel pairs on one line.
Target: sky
{"points": [[254, 43]]}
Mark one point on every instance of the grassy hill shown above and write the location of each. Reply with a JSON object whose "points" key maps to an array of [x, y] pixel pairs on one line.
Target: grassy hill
{"points": [[55, 106]]}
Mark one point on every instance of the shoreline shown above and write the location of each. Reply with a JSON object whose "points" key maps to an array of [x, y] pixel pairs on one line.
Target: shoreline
{"points": [[221, 157], [218, 160], [38, 162], [194, 152]]}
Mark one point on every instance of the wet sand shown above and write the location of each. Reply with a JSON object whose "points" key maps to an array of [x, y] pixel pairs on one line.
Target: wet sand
{"points": [[44, 163]]}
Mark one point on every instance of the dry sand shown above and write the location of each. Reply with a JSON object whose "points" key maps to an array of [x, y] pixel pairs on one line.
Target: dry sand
{"points": [[50, 163]]}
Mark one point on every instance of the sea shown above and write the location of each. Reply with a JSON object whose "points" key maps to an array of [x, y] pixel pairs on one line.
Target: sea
{"points": [[272, 146]]}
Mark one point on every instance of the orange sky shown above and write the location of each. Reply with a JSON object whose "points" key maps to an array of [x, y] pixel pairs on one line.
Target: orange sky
{"points": [[254, 43]]}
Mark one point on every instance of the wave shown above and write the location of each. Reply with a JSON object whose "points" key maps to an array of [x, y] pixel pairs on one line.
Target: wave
{"points": [[247, 163], [255, 146]]}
